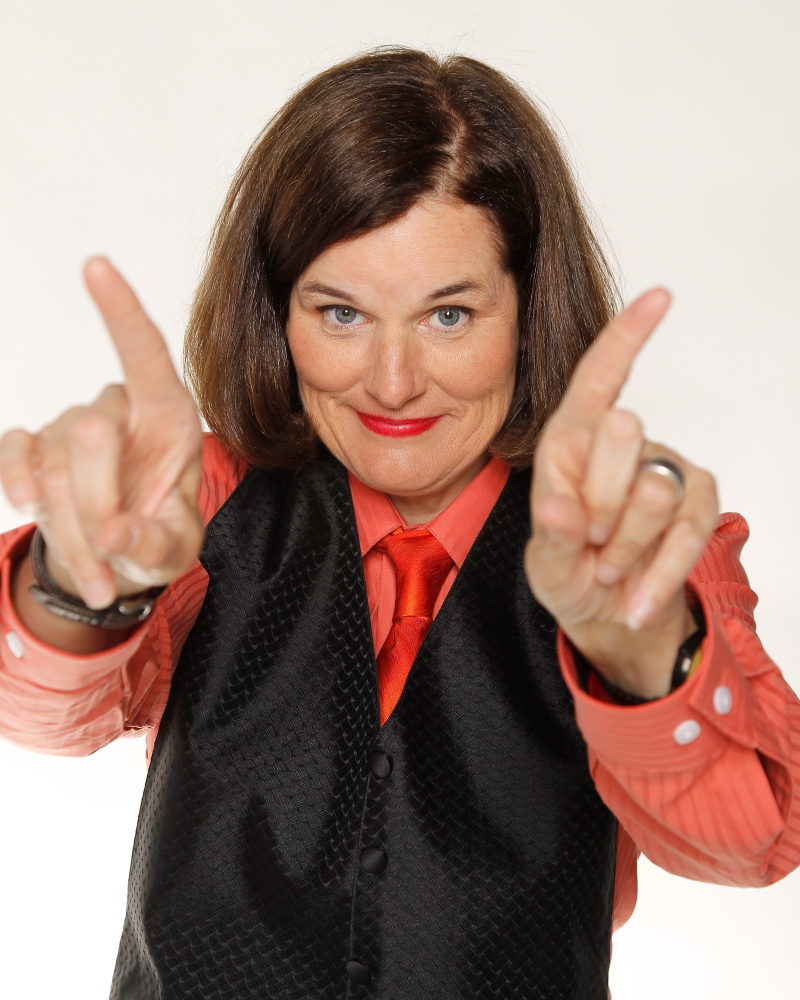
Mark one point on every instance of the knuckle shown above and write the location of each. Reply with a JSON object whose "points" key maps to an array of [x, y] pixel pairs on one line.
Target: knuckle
{"points": [[90, 429], [707, 484], [56, 430], [692, 538], [603, 512], [113, 391], [703, 498], [658, 448], [69, 415], [55, 482], [113, 399], [624, 424], [14, 440], [153, 549], [623, 553], [655, 496]]}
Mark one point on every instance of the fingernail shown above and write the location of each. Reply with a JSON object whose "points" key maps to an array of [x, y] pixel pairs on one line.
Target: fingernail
{"points": [[639, 612], [124, 540], [608, 574], [135, 573], [597, 534], [20, 497], [97, 594]]}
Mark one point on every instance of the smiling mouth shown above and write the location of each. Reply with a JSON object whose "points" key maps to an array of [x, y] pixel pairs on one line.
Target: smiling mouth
{"points": [[405, 427]]}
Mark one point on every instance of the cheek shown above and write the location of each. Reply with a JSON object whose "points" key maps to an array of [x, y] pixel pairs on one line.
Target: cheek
{"points": [[485, 371], [321, 365]]}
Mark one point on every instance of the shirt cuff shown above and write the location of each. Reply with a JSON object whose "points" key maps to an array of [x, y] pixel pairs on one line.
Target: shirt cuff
{"points": [[33, 661], [682, 730]]}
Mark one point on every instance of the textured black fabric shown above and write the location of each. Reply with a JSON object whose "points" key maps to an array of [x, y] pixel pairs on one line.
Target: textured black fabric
{"points": [[496, 866]]}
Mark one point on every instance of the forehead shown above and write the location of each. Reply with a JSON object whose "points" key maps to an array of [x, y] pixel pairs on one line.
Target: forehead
{"points": [[436, 241]]}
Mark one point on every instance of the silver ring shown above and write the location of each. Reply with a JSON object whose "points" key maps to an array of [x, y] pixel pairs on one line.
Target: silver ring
{"points": [[665, 467]]}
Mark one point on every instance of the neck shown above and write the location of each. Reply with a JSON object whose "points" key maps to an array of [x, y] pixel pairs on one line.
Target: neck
{"points": [[421, 508]]}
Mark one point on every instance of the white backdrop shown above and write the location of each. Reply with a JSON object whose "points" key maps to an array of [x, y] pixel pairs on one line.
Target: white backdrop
{"points": [[121, 126]]}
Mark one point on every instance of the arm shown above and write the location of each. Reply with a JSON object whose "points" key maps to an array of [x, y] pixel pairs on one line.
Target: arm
{"points": [[721, 807], [59, 702], [702, 778], [115, 491]]}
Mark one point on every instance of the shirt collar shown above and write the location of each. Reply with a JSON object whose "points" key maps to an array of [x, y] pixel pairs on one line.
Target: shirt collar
{"points": [[456, 527]]}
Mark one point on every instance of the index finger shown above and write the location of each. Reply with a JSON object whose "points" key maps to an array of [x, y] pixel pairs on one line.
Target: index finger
{"points": [[148, 368], [601, 373]]}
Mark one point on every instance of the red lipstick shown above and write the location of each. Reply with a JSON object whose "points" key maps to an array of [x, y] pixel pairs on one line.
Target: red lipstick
{"points": [[405, 427]]}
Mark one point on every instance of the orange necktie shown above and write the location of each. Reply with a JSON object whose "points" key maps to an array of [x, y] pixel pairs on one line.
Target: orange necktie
{"points": [[421, 564]]}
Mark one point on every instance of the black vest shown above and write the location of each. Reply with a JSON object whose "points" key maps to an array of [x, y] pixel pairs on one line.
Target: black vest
{"points": [[460, 851]]}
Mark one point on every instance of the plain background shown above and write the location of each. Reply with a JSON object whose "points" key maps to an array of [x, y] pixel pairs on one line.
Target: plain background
{"points": [[121, 126]]}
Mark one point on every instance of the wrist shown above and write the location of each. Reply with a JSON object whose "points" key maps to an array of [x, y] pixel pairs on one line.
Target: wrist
{"points": [[641, 666], [123, 612], [62, 578], [58, 633]]}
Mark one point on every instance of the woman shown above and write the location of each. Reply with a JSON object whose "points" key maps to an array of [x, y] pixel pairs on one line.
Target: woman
{"points": [[388, 333]]}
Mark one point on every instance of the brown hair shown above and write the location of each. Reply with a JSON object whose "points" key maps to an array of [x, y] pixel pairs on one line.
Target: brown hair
{"points": [[352, 150]]}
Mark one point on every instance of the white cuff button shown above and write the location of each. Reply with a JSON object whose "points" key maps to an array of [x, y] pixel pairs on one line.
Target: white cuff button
{"points": [[14, 643], [723, 700], [686, 732]]}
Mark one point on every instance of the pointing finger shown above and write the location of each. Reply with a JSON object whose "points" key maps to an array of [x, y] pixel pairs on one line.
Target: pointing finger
{"points": [[149, 372], [601, 373]]}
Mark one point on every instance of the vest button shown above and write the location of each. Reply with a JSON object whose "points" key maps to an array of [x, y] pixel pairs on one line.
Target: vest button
{"points": [[380, 764], [373, 860], [358, 972]]}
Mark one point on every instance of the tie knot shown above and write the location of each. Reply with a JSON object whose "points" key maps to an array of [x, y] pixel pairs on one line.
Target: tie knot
{"points": [[421, 564]]}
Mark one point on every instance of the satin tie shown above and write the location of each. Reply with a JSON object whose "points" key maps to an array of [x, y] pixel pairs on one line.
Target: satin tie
{"points": [[421, 564]]}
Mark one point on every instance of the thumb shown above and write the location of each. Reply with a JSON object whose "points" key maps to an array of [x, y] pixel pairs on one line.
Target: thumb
{"points": [[150, 551]]}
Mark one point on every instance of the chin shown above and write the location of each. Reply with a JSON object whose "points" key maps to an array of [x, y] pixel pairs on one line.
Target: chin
{"points": [[404, 471], [393, 470]]}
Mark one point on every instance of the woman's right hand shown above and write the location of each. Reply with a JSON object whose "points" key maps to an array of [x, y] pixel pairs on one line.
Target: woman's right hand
{"points": [[114, 485]]}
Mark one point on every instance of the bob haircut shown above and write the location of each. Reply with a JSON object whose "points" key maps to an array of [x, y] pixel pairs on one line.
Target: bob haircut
{"points": [[354, 149]]}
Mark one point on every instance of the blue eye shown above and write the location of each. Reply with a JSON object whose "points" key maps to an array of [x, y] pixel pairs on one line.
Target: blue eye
{"points": [[448, 316], [344, 314]]}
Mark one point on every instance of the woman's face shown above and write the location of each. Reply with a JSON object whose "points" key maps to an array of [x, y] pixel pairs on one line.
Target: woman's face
{"points": [[405, 345]]}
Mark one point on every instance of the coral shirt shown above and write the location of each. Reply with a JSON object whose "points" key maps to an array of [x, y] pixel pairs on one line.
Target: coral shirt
{"points": [[704, 781]]}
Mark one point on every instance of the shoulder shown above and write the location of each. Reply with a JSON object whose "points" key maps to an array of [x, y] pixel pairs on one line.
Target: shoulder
{"points": [[223, 470]]}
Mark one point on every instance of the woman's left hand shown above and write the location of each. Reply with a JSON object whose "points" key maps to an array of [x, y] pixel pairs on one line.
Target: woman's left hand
{"points": [[612, 546]]}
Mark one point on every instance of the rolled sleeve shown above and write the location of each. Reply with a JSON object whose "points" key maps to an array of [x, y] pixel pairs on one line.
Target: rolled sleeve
{"points": [[683, 730], [31, 661], [705, 780]]}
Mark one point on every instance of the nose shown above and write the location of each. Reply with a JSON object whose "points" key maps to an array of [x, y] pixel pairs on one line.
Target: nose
{"points": [[395, 373]]}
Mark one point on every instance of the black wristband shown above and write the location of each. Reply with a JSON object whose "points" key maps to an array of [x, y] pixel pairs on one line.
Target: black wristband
{"points": [[123, 613], [683, 664]]}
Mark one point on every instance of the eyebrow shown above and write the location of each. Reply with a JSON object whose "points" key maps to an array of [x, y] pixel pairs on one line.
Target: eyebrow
{"points": [[440, 293], [320, 289]]}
